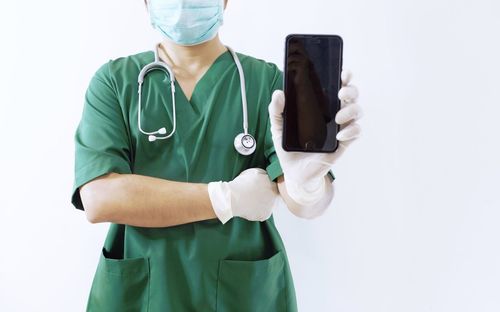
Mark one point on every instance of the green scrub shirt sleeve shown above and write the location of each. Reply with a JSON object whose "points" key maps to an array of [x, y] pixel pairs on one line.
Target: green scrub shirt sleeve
{"points": [[274, 168], [101, 138]]}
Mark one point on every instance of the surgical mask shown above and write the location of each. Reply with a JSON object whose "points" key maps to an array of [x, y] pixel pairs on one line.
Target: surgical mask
{"points": [[187, 22]]}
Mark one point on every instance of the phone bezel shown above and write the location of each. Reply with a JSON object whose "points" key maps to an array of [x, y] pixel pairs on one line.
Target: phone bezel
{"points": [[308, 36]]}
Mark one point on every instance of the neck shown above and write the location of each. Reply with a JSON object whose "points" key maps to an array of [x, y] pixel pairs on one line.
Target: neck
{"points": [[191, 57]]}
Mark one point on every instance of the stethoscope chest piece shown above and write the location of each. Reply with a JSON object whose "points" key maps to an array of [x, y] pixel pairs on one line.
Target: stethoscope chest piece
{"points": [[244, 144]]}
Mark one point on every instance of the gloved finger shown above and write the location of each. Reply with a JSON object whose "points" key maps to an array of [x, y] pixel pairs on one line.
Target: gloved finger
{"points": [[350, 132], [331, 158], [253, 171], [346, 77], [348, 113], [348, 94], [275, 110], [317, 164], [345, 144]]}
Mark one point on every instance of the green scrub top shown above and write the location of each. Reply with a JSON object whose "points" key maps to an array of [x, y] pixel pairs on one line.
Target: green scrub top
{"points": [[200, 266]]}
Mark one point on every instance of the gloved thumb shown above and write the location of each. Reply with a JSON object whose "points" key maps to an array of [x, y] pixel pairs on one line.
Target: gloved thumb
{"points": [[275, 110]]}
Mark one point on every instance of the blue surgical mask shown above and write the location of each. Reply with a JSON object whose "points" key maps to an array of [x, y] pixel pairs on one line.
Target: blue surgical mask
{"points": [[187, 22]]}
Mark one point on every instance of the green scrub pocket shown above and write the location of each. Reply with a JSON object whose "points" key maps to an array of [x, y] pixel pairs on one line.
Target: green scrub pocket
{"points": [[120, 285], [246, 286]]}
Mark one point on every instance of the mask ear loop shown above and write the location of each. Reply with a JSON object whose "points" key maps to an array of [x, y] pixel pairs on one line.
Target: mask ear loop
{"points": [[156, 65]]}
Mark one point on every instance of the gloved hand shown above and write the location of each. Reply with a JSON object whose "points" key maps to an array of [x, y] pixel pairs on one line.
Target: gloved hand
{"points": [[251, 195], [304, 173]]}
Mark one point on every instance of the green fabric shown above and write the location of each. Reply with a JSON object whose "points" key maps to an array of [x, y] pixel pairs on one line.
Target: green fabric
{"points": [[200, 266]]}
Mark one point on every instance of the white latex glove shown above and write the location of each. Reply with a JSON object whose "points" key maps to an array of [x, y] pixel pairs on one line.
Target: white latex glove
{"points": [[251, 195], [304, 173]]}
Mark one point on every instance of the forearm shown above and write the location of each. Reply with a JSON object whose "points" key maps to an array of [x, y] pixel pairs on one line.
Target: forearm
{"points": [[149, 202], [312, 211]]}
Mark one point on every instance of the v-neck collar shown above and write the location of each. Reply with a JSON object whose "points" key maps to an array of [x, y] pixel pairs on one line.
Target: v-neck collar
{"points": [[204, 85], [205, 81]]}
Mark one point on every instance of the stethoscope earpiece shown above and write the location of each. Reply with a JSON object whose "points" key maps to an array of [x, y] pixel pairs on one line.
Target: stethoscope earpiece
{"points": [[244, 143], [153, 138]]}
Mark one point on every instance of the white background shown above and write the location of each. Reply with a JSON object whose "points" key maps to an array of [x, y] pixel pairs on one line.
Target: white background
{"points": [[415, 224]]}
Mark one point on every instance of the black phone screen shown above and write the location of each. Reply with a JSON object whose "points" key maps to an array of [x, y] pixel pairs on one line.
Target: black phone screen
{"points": [[313, 64]]}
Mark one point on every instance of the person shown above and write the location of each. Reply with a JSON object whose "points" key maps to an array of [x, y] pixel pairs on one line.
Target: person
{"points": [[191, 225]]}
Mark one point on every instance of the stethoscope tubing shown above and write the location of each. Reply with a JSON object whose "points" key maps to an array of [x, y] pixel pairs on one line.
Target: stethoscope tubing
{"points": [[157, 64]]}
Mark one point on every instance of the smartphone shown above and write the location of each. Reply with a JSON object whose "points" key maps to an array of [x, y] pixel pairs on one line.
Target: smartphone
{"points": [[313, 65]]}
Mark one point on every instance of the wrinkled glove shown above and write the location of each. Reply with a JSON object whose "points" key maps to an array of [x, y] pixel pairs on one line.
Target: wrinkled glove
{"points": [[304, 173], [251, 195]]}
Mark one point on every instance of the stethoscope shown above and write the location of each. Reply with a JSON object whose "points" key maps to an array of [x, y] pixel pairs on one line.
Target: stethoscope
{"points": [[244, 142]]}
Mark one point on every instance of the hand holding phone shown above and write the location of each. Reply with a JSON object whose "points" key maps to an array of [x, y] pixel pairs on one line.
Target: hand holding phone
{"points": [[305, 172]]}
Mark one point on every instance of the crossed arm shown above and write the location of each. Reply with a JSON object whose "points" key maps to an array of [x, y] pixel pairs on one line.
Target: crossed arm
{"points": [[145, 201], [152, 202]]}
